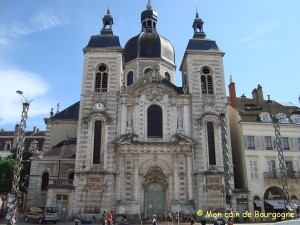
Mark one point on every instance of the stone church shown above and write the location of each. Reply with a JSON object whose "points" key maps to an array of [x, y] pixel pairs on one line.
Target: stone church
{"points": [[136, 142]]}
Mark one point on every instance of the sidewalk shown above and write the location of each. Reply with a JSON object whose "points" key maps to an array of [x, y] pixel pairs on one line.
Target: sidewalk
{"points": [[3, 222]]}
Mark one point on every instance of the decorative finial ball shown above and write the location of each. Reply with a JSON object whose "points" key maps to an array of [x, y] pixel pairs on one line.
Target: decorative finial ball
{"points": [[149, 6]]}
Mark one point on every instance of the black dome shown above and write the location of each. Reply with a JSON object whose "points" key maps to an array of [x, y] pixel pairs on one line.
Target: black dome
{"points": [[149, 45]]}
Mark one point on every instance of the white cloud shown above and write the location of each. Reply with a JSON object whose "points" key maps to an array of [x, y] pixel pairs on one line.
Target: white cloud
{"points": [[43, 20], [11, 104], [259, 31]]}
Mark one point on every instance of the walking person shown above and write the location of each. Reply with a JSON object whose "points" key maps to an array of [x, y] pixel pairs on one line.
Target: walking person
{"points": [[154, 221], [169, 218], [104, 218], [110, 218]]}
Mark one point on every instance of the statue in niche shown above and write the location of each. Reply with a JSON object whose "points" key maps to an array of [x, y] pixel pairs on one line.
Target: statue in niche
{"points": [[129, 120], [179, 122]]}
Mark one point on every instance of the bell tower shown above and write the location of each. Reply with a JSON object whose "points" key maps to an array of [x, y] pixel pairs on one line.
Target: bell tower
{"points": [[203, 78], [97, 124]]}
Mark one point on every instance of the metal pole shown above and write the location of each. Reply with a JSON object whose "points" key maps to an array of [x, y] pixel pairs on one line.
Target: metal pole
{"points": [[282, 166], [19, 150], [227, 175], [283, 171], [178, 213]]}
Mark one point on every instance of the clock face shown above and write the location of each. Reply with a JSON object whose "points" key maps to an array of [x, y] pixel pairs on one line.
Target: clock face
{"points": [[99, 107], [209, 108]]}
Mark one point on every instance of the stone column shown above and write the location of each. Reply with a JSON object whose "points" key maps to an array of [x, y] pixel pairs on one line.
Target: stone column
{"points": [[121, 183], [136, 178], [176, 179], [123, 115], [189, 175]]}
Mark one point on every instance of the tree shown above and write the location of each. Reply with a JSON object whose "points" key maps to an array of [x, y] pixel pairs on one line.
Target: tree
{"points": [[6, 174], [25, 168]]}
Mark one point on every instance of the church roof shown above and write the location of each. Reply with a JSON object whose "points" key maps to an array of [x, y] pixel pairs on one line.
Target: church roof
{"points": [[70, 113], [202, 44], [65, 149], [104, 41], [148, 43]]}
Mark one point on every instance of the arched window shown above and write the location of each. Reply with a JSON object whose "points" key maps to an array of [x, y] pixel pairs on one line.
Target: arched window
{"points": [[207, 87], [211, 143], [45, 181], [97, 142], [7, 145], [147, 70], [129, 78], [203, 84], [155, 127], [71, 176], [167, 76], [101, 80]]}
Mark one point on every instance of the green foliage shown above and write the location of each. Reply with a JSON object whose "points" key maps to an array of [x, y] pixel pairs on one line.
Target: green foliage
{"points": [[6, 174], [7, 171]]}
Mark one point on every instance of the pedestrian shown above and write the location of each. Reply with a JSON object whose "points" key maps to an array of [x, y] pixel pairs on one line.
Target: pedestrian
{"points": [[124, 222], [154, 221], [192, 220], [110, 218], [104, 218], [169, 218]]}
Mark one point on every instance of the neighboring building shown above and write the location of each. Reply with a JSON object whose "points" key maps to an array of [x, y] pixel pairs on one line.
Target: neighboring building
{"points": [[255, 155], [143, 144], [34, 141]]}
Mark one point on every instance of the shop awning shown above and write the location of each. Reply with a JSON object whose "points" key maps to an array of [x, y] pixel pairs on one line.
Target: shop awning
{"points": [[277, 204]]}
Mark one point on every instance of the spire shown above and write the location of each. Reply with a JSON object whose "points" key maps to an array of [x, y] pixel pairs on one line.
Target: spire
{"points": [[198, 27], [149, 6], [107, 23], [149, 18]]}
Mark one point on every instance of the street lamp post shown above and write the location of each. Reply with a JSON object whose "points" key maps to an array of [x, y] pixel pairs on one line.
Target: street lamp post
{"points": [[227, 175], [282, 166], [19, 148]]}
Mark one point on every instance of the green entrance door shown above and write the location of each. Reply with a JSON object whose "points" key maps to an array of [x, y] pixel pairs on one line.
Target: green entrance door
{"points": [[155, 198]]}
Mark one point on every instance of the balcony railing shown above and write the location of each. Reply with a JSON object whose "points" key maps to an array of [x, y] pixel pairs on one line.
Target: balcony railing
{"points": [[60, 183], [276, 175]]}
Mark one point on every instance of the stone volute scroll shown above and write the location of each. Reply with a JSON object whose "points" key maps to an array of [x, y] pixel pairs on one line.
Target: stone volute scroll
{"points": [[183, 139], [127, 139]]}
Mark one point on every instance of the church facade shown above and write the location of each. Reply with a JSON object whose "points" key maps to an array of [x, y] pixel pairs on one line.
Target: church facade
{"points": [[137, 143]]}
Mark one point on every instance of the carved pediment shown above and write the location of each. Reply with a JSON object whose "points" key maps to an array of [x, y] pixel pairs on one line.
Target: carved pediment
{"points": [[154, 90], [155, 174], [87, 118]]}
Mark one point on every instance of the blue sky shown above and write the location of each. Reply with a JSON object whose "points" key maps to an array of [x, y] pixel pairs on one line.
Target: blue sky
{"points": [[41, 46]]}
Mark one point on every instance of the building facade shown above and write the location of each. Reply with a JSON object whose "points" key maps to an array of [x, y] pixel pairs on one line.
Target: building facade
{"points": [[255, 154], [136, 142], [33, 141]]}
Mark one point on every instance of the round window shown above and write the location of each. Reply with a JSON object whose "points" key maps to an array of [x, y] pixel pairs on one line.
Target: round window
{"points": [[205, 70], [102, 67]]}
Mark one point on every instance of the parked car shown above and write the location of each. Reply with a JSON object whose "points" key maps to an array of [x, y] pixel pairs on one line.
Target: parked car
{"points": [[219, 221], [42, 214]]}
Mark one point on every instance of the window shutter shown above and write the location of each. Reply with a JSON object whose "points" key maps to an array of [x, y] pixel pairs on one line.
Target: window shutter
{"points": [[245, 142]]}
